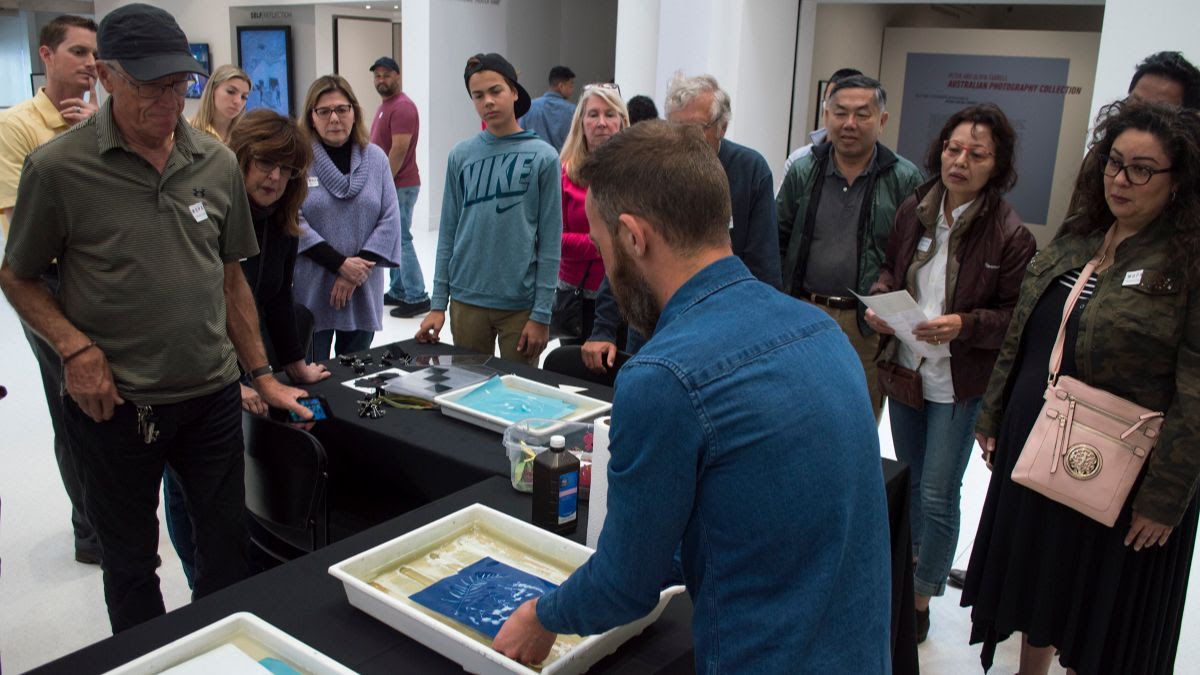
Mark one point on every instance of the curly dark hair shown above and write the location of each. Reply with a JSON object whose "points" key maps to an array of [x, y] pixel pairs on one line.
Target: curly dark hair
{"points": [[1004, 174], [1178, 131]]}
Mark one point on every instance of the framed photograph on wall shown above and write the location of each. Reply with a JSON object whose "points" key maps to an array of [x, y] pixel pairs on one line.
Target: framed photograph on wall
{"points": [[265, 53], [200, 53]]}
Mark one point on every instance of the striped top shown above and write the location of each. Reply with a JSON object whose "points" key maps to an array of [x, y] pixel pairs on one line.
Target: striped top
{"points": [[141, 253], [1071, 277]]}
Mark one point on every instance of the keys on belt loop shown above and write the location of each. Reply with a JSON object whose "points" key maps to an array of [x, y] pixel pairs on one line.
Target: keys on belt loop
{"points": [[147, 424]]}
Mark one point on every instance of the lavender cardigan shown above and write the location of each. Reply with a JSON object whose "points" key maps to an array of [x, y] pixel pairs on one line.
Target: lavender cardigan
{"points": [[352, 213]]}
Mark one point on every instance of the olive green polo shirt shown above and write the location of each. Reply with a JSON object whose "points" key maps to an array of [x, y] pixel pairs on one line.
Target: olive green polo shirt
{"points": [[141, 254]]}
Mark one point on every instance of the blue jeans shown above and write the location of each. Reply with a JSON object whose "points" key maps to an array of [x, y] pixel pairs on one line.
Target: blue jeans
{"points": [[408, 284], [348, 342], [179, 526], [936, 444]]}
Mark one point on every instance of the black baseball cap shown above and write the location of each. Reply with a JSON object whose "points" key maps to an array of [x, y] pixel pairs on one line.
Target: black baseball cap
{"points": [[386, 62], [147, 43], [500, 65]]}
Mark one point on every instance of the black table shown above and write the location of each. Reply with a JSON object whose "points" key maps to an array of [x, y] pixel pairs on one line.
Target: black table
{"points": [[303, 600], [412, 457]]}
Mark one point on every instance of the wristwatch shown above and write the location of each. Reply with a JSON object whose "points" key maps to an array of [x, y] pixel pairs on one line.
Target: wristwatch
{"points": [[260, 371]]}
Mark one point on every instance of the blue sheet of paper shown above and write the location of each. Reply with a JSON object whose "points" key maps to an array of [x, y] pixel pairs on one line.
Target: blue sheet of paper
{"points": [[482, 595], [513, 405]]}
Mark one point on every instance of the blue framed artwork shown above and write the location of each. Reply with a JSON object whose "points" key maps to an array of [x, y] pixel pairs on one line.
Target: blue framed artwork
{"points": [[265, 53], [200, 53]]}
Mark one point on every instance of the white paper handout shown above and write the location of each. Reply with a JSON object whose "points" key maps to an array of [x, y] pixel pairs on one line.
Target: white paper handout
{"points": [[903, 314]]}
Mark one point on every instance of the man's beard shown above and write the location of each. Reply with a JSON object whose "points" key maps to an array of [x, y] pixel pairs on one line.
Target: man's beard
{"points": [[634, 297], [386, 90]]}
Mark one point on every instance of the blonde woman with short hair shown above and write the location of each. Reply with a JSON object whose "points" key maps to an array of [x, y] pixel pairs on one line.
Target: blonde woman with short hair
{"points": [[599, 114]]}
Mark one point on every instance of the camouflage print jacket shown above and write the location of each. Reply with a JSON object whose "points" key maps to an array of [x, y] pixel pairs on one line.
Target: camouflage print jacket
{"points": [[1139, 338]]}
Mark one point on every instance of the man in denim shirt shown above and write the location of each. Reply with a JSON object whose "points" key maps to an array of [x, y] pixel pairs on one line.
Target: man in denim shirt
{"points": [[743, 437]]}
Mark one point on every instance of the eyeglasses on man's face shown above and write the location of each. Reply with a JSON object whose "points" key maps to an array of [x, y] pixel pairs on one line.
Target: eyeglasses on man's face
{"points": [[340, 110], [1137, 174], [152, 90], [267, 166]]}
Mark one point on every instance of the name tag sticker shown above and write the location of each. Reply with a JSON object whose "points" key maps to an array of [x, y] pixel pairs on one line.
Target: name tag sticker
{"points": [[924, 244], [1133, 278], [313, 182], [198, 212]]}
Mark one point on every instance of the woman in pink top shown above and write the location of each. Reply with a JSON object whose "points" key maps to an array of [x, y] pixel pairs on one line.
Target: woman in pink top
{"points": [[599, 114]]}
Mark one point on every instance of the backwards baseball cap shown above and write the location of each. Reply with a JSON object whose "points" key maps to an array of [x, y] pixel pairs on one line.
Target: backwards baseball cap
{"points": [[500, 65], [147, 43], [386, 62]]}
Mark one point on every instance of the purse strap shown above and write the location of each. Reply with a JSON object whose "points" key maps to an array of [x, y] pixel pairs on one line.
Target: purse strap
{"points": [[1076, 290]]}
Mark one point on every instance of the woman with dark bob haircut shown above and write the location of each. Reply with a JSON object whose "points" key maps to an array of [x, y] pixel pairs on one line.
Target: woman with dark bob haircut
{"points": [[275, 156], [1109, 599], [960, 250]]}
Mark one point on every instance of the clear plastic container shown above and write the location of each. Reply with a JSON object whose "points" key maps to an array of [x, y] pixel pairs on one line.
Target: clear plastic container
{"points": [[525, 439]]}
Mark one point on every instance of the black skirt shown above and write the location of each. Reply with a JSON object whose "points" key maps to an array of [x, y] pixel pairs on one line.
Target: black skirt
{"points": [[1061, 578]]}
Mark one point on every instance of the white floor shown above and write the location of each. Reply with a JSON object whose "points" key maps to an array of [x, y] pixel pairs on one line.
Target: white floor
{"points": [[50, 605]]}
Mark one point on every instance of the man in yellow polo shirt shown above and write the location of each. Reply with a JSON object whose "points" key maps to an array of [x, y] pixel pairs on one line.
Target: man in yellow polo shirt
{"points": [[68, 50]]}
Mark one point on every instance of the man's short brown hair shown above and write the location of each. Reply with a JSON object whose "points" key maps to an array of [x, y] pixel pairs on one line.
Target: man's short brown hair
{"points": [[55, 32], [667, 174]]}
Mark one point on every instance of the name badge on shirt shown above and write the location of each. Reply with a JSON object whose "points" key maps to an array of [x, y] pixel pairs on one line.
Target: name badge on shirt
{"points": [[313, 182], [198, 212], [1133, 278], [924, 244]]}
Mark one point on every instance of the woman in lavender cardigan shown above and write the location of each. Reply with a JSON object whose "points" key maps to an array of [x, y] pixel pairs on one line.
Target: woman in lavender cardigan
{"points": [[349, 224]]}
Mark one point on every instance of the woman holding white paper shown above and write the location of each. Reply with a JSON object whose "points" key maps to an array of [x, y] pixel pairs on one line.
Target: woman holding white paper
{"points": [[960, 250]]}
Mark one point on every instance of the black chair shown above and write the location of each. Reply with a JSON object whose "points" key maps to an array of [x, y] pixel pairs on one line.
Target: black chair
{"points": [[568, 360], [286, 482]]}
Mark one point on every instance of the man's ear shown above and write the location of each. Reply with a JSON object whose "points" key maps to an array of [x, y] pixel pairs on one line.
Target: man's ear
{"points": [[883, 118], [633, 232]]}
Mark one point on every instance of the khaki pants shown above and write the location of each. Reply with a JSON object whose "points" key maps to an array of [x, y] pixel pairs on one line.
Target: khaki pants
{"points": [[477, 328], [864, 346]]}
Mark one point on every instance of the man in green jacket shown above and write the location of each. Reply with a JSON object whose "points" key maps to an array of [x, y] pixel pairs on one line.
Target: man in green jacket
{"points": [[835, 212]]}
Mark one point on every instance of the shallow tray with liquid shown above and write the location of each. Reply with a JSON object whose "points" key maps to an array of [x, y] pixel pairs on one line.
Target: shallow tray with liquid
{"points": [[380, 580], [257, 638]]}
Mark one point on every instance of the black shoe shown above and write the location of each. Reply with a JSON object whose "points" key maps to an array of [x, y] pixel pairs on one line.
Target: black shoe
{"points": [[956, 579], [391, 300], [407, 310], [922, 625], [87, 557]]}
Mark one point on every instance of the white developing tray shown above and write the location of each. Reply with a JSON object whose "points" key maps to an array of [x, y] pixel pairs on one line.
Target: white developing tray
{"points": [[438, 633], [248, 633], [586, 407]]}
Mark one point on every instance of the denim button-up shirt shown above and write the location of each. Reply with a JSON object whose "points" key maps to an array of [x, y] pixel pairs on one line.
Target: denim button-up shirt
{"points": [[743, 436]]}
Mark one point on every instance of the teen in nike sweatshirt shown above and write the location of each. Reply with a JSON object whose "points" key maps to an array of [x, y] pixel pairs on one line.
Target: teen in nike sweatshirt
{"points": [[501, 226]]}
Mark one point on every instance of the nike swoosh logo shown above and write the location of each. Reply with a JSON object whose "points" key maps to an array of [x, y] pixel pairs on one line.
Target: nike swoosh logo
{"points": [[502, 209]]}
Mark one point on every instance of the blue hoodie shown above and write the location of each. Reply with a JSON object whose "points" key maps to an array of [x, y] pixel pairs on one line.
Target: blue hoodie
{"points": [[501, 228]]}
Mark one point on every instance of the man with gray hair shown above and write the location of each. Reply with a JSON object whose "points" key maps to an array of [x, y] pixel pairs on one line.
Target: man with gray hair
{"points": [[149, 221], [835, 211], [700, 101]]}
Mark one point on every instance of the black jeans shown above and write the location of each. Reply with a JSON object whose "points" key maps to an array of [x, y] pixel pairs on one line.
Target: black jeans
{"points": [[201, 440]]}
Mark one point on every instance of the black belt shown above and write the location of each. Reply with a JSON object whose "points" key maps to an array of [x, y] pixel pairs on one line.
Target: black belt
{"points": [[830, 301]]}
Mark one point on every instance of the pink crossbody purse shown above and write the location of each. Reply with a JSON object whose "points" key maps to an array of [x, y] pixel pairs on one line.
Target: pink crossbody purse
{"points": [[1087, 446]]}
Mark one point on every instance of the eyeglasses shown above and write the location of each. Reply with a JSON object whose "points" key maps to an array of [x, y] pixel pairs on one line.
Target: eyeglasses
{"points": [[610, 86], [150, 90], [266, 166], [339, 110], [1137, 174], [975, 154]]}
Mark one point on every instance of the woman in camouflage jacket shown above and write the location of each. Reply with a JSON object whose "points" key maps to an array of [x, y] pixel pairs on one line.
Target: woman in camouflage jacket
{"points": [[1109, 599]]}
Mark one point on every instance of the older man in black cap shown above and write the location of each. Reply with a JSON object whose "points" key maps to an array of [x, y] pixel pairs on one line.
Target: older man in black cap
{"points": [[148, 220]]}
